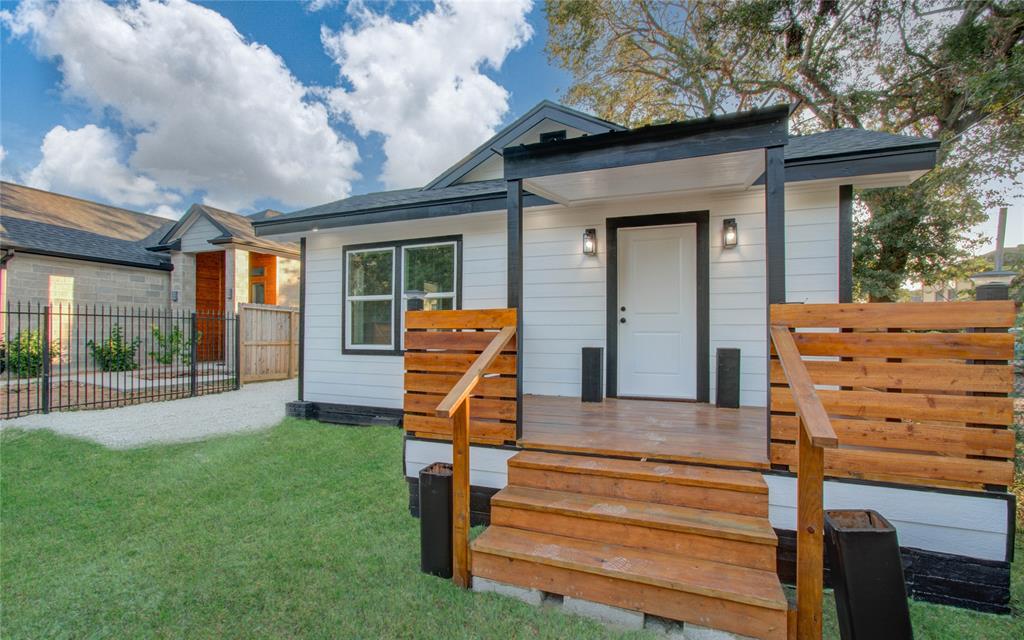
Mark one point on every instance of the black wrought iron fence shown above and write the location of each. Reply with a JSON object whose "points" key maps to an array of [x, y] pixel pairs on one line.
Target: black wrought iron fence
{"points": [[64, 357]]}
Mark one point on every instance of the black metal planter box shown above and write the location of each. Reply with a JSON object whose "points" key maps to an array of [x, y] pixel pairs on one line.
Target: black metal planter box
{"points": [[436, 520], [867, 576]]}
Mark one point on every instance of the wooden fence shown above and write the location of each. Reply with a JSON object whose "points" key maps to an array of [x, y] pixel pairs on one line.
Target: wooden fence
{"points": [[440, 346], [269, 342], [917, 393]]}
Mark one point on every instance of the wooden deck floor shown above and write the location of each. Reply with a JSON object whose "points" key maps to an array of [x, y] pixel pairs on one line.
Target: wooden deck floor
{"points": [[677, 431]]}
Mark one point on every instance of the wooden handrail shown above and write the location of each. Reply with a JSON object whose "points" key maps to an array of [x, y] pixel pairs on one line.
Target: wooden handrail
{"points": [[460, 392], [815, 434], [456, 405], [808, 405]]}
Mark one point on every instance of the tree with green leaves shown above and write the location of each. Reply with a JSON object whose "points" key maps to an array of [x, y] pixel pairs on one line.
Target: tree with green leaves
{"points": [[949, 69]]}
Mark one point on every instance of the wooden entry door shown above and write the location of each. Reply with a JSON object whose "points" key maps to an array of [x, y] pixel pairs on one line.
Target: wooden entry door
{"points": [[657, 314], [210, 305]]}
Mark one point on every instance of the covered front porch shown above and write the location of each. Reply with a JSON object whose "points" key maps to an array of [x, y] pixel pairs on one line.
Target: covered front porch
{"points": [[693, 432]]}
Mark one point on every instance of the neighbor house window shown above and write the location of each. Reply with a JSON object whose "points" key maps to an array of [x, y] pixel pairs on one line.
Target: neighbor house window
{"points": [[381, 279]]}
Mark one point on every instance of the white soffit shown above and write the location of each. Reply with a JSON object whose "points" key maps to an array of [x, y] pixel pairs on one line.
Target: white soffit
{"points": [[736, 170]]}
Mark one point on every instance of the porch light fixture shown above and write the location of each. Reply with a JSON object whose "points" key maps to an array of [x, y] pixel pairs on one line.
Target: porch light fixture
{"points": [[730, 234], [590, 242]]}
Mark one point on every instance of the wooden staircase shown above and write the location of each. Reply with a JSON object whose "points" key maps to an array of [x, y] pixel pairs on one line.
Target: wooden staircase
{"points": [[682, 542]]}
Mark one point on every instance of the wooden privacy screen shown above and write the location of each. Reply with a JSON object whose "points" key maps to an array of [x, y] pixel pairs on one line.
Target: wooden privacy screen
{"points": [[439, 347], [917, 392], [268, 342]]}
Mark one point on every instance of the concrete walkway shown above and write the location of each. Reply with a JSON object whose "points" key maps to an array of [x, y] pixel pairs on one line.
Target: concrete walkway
{"points": [[255, 406]]}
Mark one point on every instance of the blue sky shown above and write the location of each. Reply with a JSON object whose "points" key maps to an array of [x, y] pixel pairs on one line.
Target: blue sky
{"points": [[248, 105], [39, 95]]}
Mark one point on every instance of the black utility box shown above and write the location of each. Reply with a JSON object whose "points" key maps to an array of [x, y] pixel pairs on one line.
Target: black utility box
{"points": [[436, 519], [727, 382], [867, 576]]}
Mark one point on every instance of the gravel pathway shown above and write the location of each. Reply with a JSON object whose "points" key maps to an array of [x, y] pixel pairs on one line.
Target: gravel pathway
{"points": [[253, 407]]}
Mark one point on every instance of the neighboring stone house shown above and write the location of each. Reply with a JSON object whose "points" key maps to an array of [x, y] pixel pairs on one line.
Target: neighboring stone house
{"points": [[219, 262], [57, 249], [63, 250]]}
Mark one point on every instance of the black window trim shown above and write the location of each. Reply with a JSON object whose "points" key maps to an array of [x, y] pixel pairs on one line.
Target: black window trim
{"points": [[396, 285]]}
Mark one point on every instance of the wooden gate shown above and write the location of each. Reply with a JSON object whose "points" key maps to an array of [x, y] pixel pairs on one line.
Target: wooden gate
{"points": [[269, 342]]}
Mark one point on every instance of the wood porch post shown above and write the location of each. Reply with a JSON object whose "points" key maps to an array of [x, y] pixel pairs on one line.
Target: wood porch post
{"points": [[774, 257], [846, 243], [514, 221], [775, 223]]}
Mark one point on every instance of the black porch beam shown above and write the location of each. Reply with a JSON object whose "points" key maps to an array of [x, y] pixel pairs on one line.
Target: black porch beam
{"points": [[691, 139], [846, 243], [775, 223], [514, 234]]}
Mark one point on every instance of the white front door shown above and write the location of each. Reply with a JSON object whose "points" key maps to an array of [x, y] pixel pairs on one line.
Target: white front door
{"points": [[657, 311]]}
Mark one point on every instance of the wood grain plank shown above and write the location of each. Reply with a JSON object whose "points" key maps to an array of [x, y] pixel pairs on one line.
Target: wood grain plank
{"points": [[906, 406], [456, 362], [461, 319], [866, 464], [904, 375], [460, 494], [924, 346], [917, 315], [441, 429], [484, 408], [928, 438], [453, 341], [495, 387]]}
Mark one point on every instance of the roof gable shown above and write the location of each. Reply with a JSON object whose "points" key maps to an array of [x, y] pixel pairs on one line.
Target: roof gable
{"points": [[231, 227], [492, 149]]}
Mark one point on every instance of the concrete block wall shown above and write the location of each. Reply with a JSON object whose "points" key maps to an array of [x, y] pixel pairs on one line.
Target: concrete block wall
{"points": [[47, 280], [183, 280]]}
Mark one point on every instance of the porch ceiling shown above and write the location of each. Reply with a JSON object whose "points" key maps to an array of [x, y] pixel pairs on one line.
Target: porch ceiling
{"points": [[736, 170]]}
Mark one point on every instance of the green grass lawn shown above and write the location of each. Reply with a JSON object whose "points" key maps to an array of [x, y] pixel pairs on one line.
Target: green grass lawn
{"points": [[300, 531]]}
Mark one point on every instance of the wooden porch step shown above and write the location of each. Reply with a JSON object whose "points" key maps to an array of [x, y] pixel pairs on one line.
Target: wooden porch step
{"points": [[727, 490], [712, 594], [741, 540]]}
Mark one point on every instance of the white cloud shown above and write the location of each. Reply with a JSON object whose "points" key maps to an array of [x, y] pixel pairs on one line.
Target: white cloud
{"points": [[421, 84], [85, 162], [208, 110], [316, 5]]}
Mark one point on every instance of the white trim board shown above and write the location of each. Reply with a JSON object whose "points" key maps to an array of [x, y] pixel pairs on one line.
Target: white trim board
{"points": [[967, 525], [488, 466]]}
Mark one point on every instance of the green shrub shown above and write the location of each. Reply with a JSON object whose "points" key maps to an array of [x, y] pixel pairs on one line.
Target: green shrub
{"points": [[23, 356], [171, 346], [115, 353]]}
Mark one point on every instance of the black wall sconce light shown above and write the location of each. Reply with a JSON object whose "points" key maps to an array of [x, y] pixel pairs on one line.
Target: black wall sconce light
{"points": [[730, 234], [590, 242]]}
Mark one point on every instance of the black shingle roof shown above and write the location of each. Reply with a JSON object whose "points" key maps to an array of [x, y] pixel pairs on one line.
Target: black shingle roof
{"points": [[844, 141], [33, 220]]}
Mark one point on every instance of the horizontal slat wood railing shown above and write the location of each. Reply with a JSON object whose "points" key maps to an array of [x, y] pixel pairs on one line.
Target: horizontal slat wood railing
{"points": [[918, 393], [440, 348], [814, 435], [457, 407]]}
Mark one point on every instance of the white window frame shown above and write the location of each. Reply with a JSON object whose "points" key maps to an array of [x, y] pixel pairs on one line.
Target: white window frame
{"points": [[348, 299]]}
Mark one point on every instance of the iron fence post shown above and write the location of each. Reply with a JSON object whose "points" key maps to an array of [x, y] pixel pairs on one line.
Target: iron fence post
{"points": [[46, 360], [194, 356], [238, 351]]}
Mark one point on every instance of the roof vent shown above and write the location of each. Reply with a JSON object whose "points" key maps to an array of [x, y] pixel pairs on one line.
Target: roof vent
{"points": [[553, 136]]}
